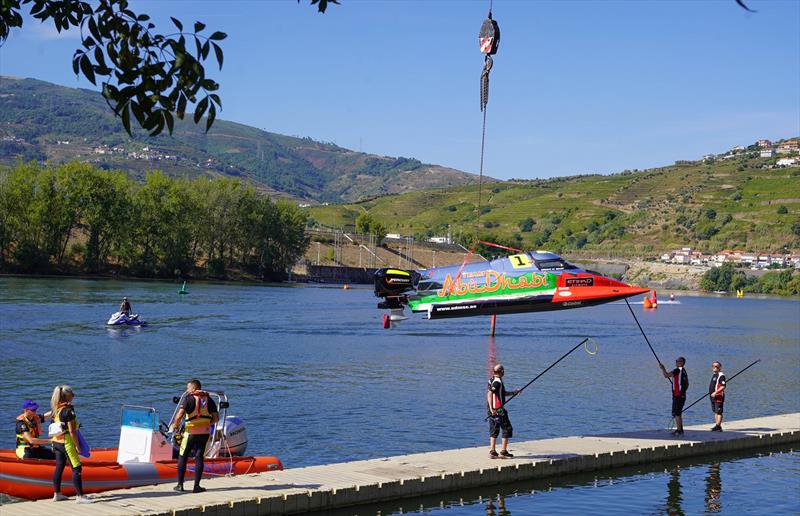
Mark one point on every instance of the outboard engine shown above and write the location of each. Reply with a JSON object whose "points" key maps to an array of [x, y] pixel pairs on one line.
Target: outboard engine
{"points": [[235, 434], [391, 284]]}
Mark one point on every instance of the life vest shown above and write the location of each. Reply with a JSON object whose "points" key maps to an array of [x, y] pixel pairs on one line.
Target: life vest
{"points": [[198, 421], [676, 383], [721, 395], [34, 428], [498, 398], [57, 419]]}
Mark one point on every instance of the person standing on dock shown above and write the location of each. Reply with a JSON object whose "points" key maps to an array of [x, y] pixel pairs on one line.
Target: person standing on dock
{"points": [[66, 444], [716, 391], [680, 384], [200, 412], [498, 416]]}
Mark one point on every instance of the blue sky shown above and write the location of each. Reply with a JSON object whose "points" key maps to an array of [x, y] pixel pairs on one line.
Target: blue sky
{"points": [[577, 86]]}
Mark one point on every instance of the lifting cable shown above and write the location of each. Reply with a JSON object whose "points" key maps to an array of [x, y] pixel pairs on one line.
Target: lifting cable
{"points": [[472, 251], [488, 40], [644, 334]]}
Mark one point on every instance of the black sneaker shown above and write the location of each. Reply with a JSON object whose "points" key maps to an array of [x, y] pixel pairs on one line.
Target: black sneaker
{"points": [[493, 454], [505, 454], [179, 488], [717, 428], [198, 489], [677, 432]]}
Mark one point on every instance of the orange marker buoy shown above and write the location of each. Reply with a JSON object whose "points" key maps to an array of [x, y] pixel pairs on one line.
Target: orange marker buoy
{"points": [[647, 303]]}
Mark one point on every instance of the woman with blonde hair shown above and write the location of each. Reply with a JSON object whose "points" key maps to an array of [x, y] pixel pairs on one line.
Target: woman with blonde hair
{"points": [[65, 442]]}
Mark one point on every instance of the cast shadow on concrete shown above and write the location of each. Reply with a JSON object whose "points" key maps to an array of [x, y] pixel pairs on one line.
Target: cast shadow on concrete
{"points": [[544, 456], [100, 498]]}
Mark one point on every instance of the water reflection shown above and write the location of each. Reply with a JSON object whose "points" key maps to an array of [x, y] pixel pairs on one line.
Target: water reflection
{"points": [[713, 488], [500, 509], [693, 487], [674, 497]]}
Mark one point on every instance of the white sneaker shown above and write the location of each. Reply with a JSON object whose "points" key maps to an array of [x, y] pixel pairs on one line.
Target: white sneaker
{"points": [[58, 497], [83, 499]]}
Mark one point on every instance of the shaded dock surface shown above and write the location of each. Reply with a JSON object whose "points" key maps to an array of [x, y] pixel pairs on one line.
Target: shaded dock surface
{"points": [[337, 486]]}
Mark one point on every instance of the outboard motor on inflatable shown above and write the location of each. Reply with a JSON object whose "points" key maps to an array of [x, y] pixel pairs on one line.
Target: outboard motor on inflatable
{"points": [[235, 441], [391, 284]]}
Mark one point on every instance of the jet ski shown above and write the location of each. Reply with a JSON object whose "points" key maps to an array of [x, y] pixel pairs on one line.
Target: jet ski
{"points": [[123, 319]]}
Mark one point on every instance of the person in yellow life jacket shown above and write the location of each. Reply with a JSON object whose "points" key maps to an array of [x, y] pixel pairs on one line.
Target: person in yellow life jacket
{"points": [[29, 428], [66, 444], [199, 412]]}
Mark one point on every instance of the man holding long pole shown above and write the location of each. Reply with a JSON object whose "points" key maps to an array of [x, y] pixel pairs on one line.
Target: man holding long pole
{"points": [[498, 416], [680, 383]]}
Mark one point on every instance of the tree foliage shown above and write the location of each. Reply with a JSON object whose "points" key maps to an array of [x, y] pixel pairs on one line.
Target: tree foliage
{"points": [[163, 227], [144, 74], [727, 278], [369, 225]]}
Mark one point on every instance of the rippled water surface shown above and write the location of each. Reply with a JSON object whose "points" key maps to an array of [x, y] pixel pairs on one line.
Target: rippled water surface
{"points": [[765, 482], [318, 380]]}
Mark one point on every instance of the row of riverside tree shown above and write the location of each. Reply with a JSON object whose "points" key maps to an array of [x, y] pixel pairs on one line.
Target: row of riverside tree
{"points": [[78, 218], [730, 279]]}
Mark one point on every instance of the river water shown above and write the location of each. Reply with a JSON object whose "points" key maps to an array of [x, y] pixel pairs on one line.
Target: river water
{"points": [[318, 380]]}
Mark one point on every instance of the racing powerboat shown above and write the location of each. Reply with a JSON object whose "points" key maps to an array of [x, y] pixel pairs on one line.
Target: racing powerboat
{"points": [[532, 281], [123, 319]]}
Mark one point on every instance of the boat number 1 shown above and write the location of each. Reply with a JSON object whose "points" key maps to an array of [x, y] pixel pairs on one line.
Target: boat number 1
{"points": [[519, 261]]}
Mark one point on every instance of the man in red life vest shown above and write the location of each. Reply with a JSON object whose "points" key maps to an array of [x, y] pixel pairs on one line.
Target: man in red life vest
{"points": [[29, 428], [498, 416], [200, 412], [680, 383], [716, 391]]}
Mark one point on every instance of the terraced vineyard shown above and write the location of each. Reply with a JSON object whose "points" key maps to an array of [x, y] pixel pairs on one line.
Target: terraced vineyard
{"points": [[736, 203]]}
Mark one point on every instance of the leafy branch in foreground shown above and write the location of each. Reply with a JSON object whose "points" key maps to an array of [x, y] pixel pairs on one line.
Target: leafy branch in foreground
{"points": [[143, 73]]}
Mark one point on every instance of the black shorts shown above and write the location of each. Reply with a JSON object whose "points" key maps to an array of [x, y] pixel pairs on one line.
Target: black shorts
{"points": [[194, 445], [716, 406], [677, 405], [39, 452], [497, 423]]}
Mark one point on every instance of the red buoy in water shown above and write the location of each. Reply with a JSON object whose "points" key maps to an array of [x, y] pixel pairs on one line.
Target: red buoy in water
{"points": [[387, 323]]}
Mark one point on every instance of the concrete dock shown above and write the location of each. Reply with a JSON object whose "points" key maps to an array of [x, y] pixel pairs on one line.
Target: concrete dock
{"points": [[338, 486]]}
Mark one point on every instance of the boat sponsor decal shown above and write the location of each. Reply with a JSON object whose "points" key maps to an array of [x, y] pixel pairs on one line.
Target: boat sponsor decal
{"points": [[579, 282], [428, 303], [572, 303], [492, 282], [453, 308], [565, 293], [214, 468]]}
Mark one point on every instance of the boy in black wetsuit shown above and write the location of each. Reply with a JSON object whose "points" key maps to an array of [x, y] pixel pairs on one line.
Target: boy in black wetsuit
{"points": [[680, 384]]}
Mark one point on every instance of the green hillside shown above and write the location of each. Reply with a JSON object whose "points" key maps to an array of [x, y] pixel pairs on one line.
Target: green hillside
{"points": [[735, 203], [43, 121]]}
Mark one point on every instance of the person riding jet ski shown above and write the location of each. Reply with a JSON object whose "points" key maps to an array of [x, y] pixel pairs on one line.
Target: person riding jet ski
{"points": [[125, 307]]}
